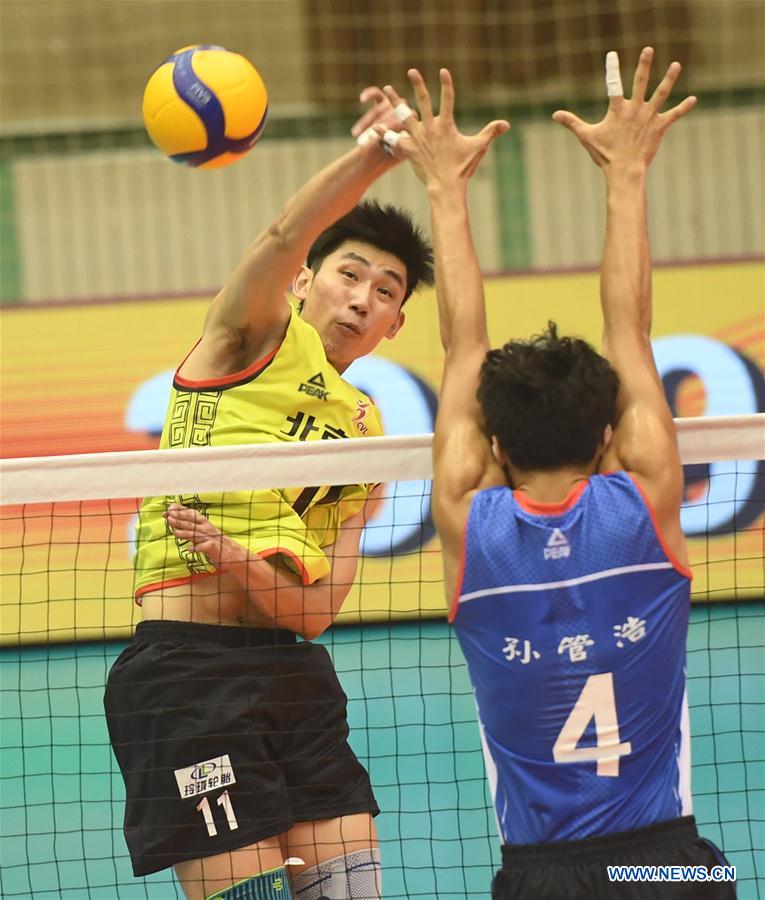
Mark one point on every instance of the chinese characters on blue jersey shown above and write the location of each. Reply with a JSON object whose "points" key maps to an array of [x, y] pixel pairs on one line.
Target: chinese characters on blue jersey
{"points": [[573, 646]]}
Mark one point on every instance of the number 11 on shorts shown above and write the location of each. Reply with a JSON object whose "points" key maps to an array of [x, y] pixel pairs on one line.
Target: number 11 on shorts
{"points": [[225, 801]]}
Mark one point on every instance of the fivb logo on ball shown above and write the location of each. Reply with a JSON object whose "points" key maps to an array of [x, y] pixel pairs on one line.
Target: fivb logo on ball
{"points": [[205, 106]]}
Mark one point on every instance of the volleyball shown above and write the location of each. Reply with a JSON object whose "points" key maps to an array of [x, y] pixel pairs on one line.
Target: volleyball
{"points": [[205, 106]]}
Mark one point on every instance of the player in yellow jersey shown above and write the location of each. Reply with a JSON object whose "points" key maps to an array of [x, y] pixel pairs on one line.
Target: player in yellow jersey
{"points": [[231, 734], [292, 394]]}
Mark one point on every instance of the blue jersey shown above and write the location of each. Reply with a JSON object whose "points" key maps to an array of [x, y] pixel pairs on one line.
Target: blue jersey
{"points": [[573, 620]]}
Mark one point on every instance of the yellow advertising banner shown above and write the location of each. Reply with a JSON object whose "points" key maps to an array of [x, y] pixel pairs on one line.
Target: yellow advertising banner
{"points": [[95, 377]]}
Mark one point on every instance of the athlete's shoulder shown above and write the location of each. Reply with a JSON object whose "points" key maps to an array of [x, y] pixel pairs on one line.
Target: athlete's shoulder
{"points": [[301, 356], [617, 483], [366, 418], [613, 476], [490, 510], [493, 496], [301, 332]]}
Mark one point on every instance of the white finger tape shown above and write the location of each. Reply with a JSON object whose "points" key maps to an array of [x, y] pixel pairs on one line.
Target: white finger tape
{"points": [[403, 112], [366, 137], [613, 77], [391, 138]]}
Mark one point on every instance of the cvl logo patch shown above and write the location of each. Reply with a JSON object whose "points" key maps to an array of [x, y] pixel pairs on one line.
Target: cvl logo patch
{"points": [[361, 414]]}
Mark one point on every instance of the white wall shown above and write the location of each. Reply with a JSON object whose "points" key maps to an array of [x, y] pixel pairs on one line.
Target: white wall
{"points": [[131, 222], [705, 191]]}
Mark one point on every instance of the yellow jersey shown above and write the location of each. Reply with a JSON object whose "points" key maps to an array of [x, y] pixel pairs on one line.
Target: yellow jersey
{"points": [[293, 394]]}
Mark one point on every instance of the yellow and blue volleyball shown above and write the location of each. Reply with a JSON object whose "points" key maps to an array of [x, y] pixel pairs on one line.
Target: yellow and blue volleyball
{"points": [[205, 106]]}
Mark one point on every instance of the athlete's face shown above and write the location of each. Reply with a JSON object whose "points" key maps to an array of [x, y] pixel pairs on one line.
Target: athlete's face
{"points": [[353, 300]]}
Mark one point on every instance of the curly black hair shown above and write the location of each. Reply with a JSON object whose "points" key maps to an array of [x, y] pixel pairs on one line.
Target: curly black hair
{"points": [[547, 399], [385, 227]]}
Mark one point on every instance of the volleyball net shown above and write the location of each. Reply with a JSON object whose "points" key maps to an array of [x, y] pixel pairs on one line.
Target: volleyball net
{"points": [[89, 209], [67, 610]]}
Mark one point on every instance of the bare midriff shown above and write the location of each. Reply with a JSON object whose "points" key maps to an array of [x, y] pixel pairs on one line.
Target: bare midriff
{"points": [[215, 600]]}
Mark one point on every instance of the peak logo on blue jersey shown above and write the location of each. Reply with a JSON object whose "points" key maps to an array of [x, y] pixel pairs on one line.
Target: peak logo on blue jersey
{"points": [[558, 546], [315, 387]]}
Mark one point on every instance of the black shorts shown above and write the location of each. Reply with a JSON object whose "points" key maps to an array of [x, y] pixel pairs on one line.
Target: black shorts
{"points": [[576, 870], [226, 736]]}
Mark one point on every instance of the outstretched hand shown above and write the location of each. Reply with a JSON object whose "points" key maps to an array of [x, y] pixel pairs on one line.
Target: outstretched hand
{"points": [[381, 113], [437, 150], [631, 131]]}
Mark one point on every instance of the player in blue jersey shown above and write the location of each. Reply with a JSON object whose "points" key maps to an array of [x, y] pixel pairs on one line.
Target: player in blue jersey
{"points": [[557, 493]]}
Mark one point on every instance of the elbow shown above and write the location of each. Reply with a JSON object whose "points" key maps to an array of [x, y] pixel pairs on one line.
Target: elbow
{"points": [[315, 627], [323, 610], [315, 622], [316, 617], [277, 234]]}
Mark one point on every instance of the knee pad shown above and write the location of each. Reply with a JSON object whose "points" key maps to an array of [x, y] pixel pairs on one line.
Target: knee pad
{"points": [[271, 885], [354, 876]]}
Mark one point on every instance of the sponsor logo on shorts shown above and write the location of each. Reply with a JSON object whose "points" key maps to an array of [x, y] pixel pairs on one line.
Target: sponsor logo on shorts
{"points": [[315, 387], [208, 775]]}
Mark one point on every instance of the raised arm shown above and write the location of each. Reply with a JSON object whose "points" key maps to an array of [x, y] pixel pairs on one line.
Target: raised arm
{"points": [[444, 160], [624, 144], [247, 319]]}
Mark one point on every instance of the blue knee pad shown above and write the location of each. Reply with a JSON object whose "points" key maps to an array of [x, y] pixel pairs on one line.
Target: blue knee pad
{"points": [[271, 885]]}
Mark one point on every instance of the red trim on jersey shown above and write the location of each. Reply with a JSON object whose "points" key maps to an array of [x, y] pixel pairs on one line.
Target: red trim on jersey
{"points": [[549, 509], [187, 579], [173, 582], [683, 570], [183, 361], [305, 575], [460, 576], [223, 380]]}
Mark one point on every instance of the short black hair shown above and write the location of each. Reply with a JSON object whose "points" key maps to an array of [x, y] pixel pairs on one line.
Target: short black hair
{"points": [[547, 399], [385, 227]]}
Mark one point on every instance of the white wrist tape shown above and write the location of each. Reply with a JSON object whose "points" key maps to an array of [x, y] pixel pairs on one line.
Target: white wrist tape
{"points": [[613, 77], [403, 112]]}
